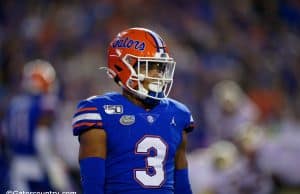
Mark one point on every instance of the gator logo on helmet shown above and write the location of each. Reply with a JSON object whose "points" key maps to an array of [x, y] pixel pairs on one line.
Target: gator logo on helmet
{"points": [[129, 43]]}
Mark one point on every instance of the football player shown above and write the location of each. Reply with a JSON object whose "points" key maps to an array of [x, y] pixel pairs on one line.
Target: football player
{"points": [[135, 142], [28, 122]]}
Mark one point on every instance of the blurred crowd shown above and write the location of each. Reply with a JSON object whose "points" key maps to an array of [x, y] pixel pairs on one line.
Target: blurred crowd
{"points": [[237, 70]]}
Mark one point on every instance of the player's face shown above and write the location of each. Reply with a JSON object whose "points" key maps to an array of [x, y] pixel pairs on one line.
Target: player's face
{"points": [[154, 70]]}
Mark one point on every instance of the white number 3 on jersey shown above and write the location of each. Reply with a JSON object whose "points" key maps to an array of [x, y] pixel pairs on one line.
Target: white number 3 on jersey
{"points": [[153, 175]]}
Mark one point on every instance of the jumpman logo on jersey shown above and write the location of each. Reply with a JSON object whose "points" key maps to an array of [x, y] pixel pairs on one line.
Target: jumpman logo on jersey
{"points": [[173, 122]]}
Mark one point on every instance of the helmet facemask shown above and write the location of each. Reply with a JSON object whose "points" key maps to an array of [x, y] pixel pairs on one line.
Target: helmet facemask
{"points": [[159, 84]]}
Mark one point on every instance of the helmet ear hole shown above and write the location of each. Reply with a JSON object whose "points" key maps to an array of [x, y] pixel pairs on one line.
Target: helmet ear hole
{"points": [[117, 79], [119, 69]]}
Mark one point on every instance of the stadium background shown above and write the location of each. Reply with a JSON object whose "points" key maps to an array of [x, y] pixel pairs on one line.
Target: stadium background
{"points": [[254, 43]]}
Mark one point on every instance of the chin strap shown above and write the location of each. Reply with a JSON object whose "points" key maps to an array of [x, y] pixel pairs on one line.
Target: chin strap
{"points": [[152, 101], [156, 94]]}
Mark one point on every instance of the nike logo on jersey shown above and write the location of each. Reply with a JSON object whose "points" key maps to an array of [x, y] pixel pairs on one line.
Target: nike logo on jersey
{"points": [[150, 118]]}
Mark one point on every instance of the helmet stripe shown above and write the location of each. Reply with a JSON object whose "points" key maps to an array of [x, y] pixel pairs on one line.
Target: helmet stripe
{"points": [[158, 41]]}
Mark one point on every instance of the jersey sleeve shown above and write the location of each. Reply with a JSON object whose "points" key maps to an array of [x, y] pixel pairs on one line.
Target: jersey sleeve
{"points": [[185, 115], [86, 117], [190, 123]]}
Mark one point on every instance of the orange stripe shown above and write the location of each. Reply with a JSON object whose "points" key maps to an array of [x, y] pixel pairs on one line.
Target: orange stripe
{"points": [[87, 109], [88, 124]]}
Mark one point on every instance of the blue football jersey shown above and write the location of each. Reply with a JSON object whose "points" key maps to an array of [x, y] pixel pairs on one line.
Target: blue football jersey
{"points": [[141, 145], [22, 118]]}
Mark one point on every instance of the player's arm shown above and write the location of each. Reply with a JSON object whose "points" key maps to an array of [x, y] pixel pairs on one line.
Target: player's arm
{"points": [[46, 152], [181, 179], [88, 125], [92, 154]]}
